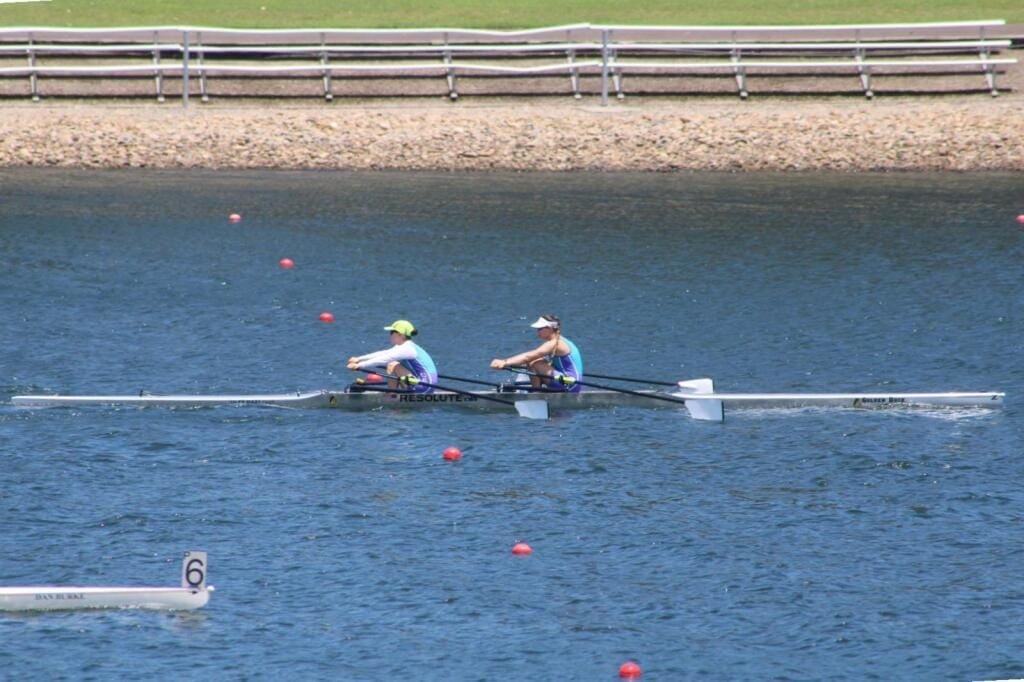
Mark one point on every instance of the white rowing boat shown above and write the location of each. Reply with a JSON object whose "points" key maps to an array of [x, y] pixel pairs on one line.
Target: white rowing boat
{"points": [[194, 593], [696, 395]]}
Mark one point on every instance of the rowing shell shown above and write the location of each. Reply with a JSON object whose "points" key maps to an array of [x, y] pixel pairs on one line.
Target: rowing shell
{"points": [[194, 593], [698, 396]]}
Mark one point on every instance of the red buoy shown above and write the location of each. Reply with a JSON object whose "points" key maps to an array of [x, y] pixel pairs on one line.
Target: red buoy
{"points": [[374, 379], [1020, 219], [630, 670], [522, 549], [234, 218], [326, 317], [286, 263], [452, 454]]}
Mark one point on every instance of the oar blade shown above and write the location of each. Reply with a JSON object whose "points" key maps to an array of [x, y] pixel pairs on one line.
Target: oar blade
{"points": [[536, 408], [705, 385], [705, 409], [701, 409]]}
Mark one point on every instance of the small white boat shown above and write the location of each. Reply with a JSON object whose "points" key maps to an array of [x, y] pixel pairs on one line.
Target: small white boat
{"points": [[698, 396], [194, 593]]}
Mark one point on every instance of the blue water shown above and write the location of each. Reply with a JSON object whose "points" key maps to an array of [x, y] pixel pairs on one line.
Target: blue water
{"points": [[805, 545]]}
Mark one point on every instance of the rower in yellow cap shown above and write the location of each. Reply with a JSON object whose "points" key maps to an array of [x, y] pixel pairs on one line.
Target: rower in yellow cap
{"points": [[403, 359]]}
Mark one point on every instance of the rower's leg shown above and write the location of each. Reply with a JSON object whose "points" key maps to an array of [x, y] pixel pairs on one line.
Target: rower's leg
{"points": [[396, 370], [542, 367]]}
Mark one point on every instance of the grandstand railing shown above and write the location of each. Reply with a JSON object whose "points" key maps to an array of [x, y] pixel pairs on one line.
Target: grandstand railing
{"points": [[193, 59]]}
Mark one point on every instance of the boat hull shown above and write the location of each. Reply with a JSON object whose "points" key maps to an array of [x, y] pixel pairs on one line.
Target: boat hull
{"points": [[374, 400], [76, 598]]}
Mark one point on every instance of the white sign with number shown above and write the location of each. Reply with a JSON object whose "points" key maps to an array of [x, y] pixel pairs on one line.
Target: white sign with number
{"points": [[193, 570]]}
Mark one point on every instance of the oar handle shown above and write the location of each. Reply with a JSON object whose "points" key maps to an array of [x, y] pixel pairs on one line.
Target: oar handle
{"points": [[382, 389]]}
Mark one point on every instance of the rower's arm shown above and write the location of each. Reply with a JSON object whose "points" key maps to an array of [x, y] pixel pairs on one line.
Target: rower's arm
{"points": [[529, 356], [383, 357]]}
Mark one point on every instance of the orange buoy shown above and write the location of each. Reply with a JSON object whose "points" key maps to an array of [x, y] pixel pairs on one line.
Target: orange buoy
{"points": [[286, 263], [234, 218], [630, 670], [374, 379], [452, 454], [522, 549], [326, 317]]}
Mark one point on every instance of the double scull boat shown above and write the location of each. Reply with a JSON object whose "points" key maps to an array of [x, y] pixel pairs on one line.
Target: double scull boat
{"points": [[697, 396]]}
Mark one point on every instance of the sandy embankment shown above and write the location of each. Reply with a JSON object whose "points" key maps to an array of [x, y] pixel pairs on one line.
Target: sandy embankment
{"points": [[968, 133]]}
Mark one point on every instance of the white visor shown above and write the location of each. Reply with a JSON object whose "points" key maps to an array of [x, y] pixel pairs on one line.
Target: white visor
{"points": [[541, 323]]}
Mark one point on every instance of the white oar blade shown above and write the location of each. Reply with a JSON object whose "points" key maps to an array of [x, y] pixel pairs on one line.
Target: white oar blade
{"points": [[532, 409], [696, 386], [701, 409], [705, 409]]}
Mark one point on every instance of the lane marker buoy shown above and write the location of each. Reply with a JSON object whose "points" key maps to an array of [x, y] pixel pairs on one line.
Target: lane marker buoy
{"points": [[630, 670]]}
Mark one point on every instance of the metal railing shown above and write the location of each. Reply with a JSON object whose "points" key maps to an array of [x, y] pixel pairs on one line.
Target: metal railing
{"points": [[195, 56]]}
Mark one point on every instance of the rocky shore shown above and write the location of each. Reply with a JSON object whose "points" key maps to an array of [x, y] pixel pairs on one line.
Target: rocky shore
{"points": [[843, 134]]}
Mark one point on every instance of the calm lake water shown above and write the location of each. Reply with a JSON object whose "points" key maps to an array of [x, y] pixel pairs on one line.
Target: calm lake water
{"points": [[801, 545]]}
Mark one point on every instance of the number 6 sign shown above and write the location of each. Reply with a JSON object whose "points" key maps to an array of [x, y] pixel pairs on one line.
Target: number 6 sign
{"points": [[193, 570]]}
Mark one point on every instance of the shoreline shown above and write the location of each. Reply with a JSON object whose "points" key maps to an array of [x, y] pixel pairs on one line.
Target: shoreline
{"points": [[968, 133]]}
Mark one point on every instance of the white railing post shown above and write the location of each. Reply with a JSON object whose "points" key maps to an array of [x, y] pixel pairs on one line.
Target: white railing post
{"points": [[204, 96], [865, 72], [989, 71], [738, 71], [184, 68], [325, 60], [33, 78], [574, 76], [604, 67], [159, 71], [449, 72]]}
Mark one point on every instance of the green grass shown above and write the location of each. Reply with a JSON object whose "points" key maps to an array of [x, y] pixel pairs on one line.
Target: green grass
{"points": [[483, 14]]}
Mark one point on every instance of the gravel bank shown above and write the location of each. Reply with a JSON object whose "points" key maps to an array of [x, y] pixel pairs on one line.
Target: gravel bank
{"points": [[970, 133]]}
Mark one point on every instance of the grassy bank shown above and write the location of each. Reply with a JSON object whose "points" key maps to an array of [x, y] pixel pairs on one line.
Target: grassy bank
{"points": [[478, 13]]}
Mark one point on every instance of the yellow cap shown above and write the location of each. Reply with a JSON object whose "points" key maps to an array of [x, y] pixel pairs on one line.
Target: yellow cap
{"points": [[403, 327]]}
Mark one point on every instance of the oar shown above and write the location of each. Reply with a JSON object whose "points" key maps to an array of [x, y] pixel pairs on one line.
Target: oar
{"points": [[531, 409], [468, 381], [512, 387], [704, 410], [377, 388], [632, 379]]}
